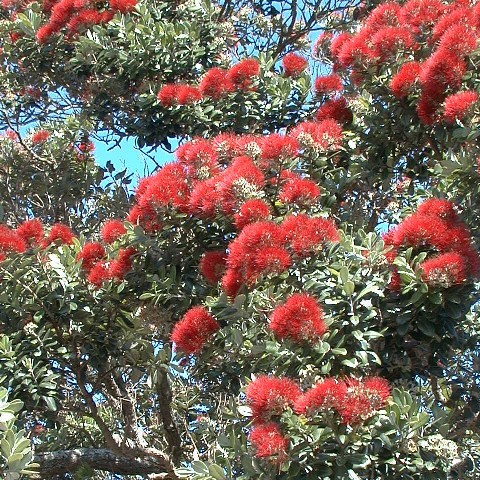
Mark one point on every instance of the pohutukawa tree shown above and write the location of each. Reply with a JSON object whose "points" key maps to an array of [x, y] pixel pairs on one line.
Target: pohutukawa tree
{"points": [[293, 296]]}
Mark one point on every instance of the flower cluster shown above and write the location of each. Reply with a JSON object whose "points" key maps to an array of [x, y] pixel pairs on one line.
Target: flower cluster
{"points": [[445, 33], [93, 257], [99, 269], [264, 248], [233, 175], [352, 399], [268, 397], [112, 230], [300, 319], [30, 234], [215, 84], [212, 265], [193, 330], [436, 229], [293, 64], [40, 136], [76, 15], [268, 441]]}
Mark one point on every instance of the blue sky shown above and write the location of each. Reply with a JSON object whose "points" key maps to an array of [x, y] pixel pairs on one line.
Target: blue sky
{"points": [[127, 156]]}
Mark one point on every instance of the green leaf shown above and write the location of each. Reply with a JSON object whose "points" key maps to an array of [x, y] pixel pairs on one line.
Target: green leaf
{"points": [[199, 467], [427, 328], [6, 417], [216, 472], [344, 274], [349, 288]]}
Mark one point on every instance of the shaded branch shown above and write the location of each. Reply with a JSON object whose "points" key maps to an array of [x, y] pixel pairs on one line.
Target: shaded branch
{"points": [[164, 402], [68, 461]]}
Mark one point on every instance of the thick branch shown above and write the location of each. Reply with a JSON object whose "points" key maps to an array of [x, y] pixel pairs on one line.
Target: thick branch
{"points": [[94, 411], [132, 431], [164, 402], [68, 461]]}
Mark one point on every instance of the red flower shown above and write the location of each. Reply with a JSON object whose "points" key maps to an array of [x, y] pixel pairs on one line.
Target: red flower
{"points": [[426, 110], [146, 217], [90, 254], [459, 40], [338, 42], [277, 147], [11, 135], [61, 13], [253, 210], [293, 64], [385, 15], [323, 395], [300, 318], [232, 281], [199, 158], [379, 387], [239, 182], [31, 231], [436, 225], [84, 19], [417, 231], [195, 328], [86, 146], [123, 6], [362, 399], [241, 74], [403, 81], [269, 396], [445, 270], [252, 240], [40, 136], [395, 283], [274, 259], [307, 235], [357, 50], [122, 264], [59, 233], [215, 83], [44, 33], [323, 136], [456, 106], [112, 230], [328, 84], [168, 187], [11, 241], [336, 109], [99, 274], [457, 16], [268, 441], [300, 191], [212, 265], [387, 41], [205, 199], [420, 14], [438, 207], [187, 94], [441, 70], [167, 95]]}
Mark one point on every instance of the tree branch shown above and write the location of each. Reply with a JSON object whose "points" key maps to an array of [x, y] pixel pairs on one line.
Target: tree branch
{"points": [[164, 402], [68, 461]]}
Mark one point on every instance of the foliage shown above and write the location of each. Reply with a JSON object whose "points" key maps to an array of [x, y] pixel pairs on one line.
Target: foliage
{"points": [[15, 451], [295, 295]]}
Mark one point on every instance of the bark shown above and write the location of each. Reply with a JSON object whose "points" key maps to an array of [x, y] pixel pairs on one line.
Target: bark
{"points": [[142, 462], [171, 433]]}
